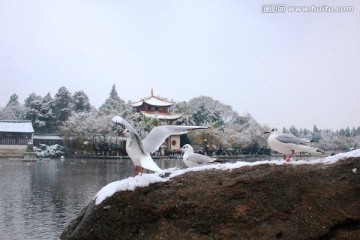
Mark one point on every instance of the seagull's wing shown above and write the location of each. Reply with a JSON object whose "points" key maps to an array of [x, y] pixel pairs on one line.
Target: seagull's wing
{"points": [[288, 138], [140, 144], [157, 135], [119, 120], [199, 159], [125, 124]]}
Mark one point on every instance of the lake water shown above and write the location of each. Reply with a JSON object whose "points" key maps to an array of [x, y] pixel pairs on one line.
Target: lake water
{"points": [[37, 200]]}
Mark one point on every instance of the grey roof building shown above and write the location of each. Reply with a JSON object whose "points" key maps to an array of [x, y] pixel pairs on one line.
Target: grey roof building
{"points": [[14, 132]]}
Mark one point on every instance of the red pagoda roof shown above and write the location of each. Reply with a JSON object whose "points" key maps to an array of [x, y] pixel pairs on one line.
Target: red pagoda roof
{"points": [[154, 101]]}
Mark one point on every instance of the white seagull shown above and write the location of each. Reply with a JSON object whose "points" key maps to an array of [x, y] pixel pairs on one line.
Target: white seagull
{"points": [[192, 159], [139, 150], [288, 144]]}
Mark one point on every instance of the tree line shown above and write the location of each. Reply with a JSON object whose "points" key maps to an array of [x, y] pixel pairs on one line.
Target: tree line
{"points": [[73, 117]]}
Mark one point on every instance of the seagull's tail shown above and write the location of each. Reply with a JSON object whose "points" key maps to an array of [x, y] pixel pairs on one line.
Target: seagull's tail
{"points": [[308, 149], [218, 161], [320, 151], [149, 163], [317, 151]]}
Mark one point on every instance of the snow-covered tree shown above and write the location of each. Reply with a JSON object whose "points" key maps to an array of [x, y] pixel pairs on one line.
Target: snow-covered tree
{"points": [[33, 105], [184, 109], [47, 115], [215, 113], [79, 125], [294, 131], [113, 104], [13, 109], [81, 102], [316, 134], [63, 105], [228, 128], [88, 127], [13, 101], [40, 111]]}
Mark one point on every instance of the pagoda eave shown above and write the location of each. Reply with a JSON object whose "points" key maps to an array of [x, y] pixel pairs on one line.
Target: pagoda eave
{"points": [[153, 101], [162, 116]]}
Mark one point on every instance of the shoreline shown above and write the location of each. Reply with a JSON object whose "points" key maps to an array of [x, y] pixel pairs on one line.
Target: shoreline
{"points": [[177, 157]]}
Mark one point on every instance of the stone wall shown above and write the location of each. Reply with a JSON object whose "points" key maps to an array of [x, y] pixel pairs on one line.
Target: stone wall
{"points": [[12, 151]]}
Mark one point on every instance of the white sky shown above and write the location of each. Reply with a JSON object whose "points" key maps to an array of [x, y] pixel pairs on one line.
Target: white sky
{"points": [[283, 68]]}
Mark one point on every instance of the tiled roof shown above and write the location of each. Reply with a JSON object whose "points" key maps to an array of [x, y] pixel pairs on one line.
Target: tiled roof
{"points": [[154, 101]]}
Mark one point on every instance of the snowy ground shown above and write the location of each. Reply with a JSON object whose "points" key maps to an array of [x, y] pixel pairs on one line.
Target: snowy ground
{"points": [[147, 179]]}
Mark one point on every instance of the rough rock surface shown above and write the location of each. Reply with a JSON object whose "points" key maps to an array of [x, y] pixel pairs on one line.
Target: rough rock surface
{"points": [[259, 202]]}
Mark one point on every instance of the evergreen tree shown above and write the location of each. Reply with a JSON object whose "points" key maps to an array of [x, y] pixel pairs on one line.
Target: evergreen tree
{"points": [[13, 110], [33, 107], [293, 130], [113, 104], [353, 132], [81, 102], [316, 134], [41, 113], [347, 132], [63, 105], [47, 114], [315, 129], [201, 115], [14, 101]]}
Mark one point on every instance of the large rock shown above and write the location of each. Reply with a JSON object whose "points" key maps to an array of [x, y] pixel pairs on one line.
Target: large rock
{"points": [[259, 202]]}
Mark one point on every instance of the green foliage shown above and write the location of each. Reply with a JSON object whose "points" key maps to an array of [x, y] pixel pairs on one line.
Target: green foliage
{"points": [[149, 123]]}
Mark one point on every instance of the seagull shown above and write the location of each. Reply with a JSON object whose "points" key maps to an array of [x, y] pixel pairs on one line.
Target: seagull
{"points": [[139, 150], [192, 159], [288, 144]]}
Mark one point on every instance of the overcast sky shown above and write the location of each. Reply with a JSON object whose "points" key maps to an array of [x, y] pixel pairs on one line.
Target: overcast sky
{"points": [[283, 68]]}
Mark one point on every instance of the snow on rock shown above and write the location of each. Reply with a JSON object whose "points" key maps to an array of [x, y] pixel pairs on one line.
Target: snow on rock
{"points": [[340, 156], [127, 184], [145, 180]]}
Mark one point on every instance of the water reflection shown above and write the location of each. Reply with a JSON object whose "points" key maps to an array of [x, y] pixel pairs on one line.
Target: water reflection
{"points": [[38, 199]]}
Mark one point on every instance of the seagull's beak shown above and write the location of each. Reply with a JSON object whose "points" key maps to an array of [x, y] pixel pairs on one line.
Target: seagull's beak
{"points": [[266, 132], [121, 133]]}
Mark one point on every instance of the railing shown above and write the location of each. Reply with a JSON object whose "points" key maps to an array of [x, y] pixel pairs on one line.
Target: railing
{"points": [[14, 141]]}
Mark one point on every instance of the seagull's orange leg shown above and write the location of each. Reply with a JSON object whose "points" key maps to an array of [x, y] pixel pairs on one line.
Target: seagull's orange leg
{"points": [[135, 170], [291, 155]]}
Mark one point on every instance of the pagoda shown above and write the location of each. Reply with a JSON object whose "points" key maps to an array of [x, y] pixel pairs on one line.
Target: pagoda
{"points": [[159, 108], [156, 107]]}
